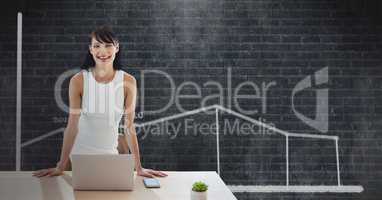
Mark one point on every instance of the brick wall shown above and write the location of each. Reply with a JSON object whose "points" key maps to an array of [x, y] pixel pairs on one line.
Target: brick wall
{"points": [[232, 42], [8, 87]]}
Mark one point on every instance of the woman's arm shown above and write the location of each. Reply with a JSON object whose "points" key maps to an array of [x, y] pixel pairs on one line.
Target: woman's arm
{"points": [[130, 88], [75, 92]]}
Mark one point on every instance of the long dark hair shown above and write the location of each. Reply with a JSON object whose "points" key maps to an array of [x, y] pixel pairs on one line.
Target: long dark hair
{"points": [[103, 34]]}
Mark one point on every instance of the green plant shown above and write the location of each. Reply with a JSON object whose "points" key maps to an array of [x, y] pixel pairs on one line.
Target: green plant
{"points": [[199, 186]]}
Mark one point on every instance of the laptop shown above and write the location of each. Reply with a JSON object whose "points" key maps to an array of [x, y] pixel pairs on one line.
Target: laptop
{"points": [[102, 172]]}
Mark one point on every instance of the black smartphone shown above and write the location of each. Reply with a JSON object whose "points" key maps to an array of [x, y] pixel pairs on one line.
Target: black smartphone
{"points": [[151, 183]]}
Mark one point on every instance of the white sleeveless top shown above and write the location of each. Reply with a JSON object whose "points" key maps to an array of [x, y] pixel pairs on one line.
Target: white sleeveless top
{"points": [[101, 112]]}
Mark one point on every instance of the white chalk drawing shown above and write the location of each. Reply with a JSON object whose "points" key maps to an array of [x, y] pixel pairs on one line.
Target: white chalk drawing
{"points": [[18, 92], [339, 188]]}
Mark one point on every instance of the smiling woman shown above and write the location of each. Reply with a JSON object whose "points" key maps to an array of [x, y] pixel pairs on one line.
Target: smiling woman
{"points": [[102, 37], [99, 95]]}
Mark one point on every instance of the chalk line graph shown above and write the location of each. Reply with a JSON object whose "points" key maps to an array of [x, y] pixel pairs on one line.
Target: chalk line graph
{"points": [[339, 188]]}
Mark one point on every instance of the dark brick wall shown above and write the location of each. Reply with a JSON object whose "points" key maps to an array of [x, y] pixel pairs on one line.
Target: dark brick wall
{"points": [[259, 41], [8, 87]]}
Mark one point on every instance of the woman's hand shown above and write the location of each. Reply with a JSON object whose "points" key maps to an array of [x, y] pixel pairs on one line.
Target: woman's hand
{"points": [[150, 173], [48, 172]]}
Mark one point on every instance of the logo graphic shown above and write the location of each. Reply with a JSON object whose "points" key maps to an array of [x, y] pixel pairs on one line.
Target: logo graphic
{"points": [[320, 122]]}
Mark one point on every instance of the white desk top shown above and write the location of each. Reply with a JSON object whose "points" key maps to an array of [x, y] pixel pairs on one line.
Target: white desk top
{"points": [[177, 186]]}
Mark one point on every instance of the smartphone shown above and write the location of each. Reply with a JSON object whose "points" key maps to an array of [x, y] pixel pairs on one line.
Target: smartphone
{"points": [[151, 183]]}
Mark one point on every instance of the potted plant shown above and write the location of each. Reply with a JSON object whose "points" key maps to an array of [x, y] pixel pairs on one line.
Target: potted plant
{"points": [[199, 191]]}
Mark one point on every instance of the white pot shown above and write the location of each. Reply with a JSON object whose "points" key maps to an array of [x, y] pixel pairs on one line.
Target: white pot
{"points": [[198, 195]]}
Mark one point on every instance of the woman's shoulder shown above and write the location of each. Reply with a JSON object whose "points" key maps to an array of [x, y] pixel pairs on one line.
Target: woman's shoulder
{"points": [[77, 79], [128, 77], [78, 76], [76, 83]]}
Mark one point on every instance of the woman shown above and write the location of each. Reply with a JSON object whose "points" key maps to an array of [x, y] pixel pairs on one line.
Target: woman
{"points": [[98, 97]]}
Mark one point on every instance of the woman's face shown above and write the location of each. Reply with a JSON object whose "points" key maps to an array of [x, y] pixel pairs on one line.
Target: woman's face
{"points": [[103, 53]]}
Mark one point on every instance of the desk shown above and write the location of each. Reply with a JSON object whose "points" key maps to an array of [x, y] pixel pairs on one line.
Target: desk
{"points": [[177, 186]]}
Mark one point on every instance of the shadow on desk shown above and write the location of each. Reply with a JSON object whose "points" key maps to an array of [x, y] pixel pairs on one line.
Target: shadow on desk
{"points": [[60, 188]]}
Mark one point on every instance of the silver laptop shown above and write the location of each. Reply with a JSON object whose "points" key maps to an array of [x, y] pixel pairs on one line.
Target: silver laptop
{"points": [[102, 172]]}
